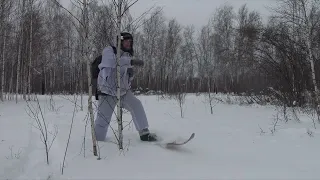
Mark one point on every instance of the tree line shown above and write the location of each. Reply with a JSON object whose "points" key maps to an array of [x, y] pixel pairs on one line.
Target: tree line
{"points": [[42, 47]]}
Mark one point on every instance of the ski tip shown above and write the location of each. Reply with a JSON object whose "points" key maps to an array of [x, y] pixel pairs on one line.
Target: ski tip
{"points": [[192, 135]]}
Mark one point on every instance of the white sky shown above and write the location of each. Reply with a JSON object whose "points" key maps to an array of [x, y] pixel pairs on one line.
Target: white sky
{"points": [[196, 12]]}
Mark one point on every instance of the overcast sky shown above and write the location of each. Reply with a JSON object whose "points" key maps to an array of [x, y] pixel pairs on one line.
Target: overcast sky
{"points": [[196, 12]]}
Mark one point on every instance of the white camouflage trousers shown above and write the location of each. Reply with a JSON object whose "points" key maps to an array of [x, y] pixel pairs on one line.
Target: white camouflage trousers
{"points": [[106, 108]]}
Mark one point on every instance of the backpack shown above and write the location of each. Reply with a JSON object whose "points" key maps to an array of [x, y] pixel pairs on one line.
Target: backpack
{"points": [[95, 73]]}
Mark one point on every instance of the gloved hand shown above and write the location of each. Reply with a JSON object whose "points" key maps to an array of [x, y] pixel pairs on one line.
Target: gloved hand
{"points": [[137, 62]]}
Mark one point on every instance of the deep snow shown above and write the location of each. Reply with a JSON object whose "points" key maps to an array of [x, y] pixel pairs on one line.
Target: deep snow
{"points": [[228, 144]]}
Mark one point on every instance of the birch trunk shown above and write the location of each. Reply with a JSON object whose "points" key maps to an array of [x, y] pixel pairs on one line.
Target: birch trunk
{"points": [[50, 79], [90, 109], [81, 78], [24, 70], [24, 78], [18, 67], [310, 28], [63, 80], [120, 141], [71, 71], [210, 95], [313, 73], [20, 50], [53, 77], [30, 55], [10, 94], [2, 74]]}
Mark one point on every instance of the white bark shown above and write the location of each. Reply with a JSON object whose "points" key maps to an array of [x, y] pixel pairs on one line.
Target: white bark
{"points": [[120, 140], [210, 98], [310, 31], [81, 73], [18, 67], [90, 109], [3, 61], [312, 68], [63, 78], [10, 97], [30, 53], [20, 50]]}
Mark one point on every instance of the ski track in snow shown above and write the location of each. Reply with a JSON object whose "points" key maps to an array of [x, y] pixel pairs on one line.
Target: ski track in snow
{"points": [[228, 144]]}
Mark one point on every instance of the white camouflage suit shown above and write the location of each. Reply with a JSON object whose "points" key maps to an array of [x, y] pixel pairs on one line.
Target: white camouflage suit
{"points": [[107, 84]]}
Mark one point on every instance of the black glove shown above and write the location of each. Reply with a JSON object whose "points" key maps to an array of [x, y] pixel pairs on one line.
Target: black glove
{"points": [[136, 62], [130, 72]]}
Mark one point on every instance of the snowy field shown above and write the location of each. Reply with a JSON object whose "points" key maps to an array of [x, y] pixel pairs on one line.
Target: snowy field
{"points": [[235, 142]]}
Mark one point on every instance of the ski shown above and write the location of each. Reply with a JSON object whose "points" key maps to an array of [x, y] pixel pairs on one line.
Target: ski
{"points": [[177, 142]]}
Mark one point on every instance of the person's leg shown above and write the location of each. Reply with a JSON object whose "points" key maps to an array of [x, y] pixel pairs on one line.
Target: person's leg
{"points": [[106, 105], [134, 106]]}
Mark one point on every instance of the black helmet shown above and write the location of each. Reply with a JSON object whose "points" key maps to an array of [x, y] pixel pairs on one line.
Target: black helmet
{"points": [[124, 36]]}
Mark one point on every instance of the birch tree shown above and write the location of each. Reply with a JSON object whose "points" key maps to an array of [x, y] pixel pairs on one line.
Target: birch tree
{"points": [[121, 8], [44, 49], [223, 28], [247, 35], [188, 56], [207, 61], [31, 4], [5, 10], [86, 56], [20, 39], [3, 65], [303, 16], [150, 44]]}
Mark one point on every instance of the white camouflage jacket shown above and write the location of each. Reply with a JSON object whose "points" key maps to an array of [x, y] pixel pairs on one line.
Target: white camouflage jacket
{"points": [[107, 79]]}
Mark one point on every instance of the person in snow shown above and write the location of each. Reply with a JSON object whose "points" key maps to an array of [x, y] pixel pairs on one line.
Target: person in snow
{"points": [[107, 87]]}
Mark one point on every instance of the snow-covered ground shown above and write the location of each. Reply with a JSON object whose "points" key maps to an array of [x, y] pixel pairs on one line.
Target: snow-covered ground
{"points": [[229, 144]]}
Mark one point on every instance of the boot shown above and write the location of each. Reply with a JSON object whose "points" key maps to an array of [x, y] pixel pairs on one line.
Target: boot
{"points": [[145, 135], [148, 137]]}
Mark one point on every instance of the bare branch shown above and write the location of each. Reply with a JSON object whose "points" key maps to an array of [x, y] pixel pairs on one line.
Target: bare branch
{"points": [[125, 10], [68, 12]]}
